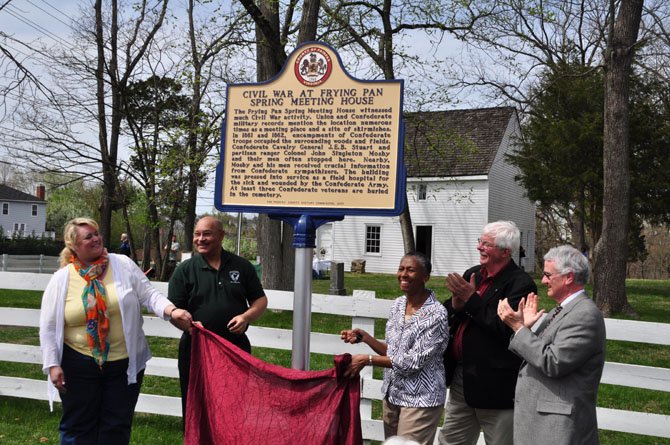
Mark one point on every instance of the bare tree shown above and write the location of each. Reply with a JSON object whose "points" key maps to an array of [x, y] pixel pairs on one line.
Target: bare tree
{"points": [[506, 53], [654, 54], [210, 45], [115, 73], [377, 27], [274, 237], [16, 76], [90, 77]]}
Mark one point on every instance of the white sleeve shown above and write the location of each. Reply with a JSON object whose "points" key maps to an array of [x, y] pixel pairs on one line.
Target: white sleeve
{"points": [[51, 321], [148, 295]]}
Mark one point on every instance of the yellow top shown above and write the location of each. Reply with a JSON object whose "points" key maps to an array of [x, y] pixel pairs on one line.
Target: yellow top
{"points": [[75, 318]]}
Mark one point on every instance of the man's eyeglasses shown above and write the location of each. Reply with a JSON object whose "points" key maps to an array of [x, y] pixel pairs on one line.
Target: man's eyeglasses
{"points": [[553, 274], [486, 244]]}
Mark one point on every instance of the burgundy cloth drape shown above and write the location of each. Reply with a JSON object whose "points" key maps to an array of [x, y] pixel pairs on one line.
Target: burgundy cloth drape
{"points": [[235, 398]]}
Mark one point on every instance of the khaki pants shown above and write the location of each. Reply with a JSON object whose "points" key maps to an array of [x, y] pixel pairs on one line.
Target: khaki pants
{"points": [[463, 423], [419, 424]]}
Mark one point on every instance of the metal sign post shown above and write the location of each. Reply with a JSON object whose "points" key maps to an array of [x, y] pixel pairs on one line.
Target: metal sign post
{"points": [[304, 237]]}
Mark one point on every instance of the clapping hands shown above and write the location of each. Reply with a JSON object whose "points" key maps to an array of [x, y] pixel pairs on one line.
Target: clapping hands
{"points": [[526, 314]]}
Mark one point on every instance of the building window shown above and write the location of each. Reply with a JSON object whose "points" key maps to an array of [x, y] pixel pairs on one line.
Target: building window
{"points": [[373, 239], [422, 192], [34, 210], [5, 208], [19, 228]]}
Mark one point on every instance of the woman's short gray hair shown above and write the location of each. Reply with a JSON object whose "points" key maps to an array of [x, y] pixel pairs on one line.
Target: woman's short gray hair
{"points": [[568, 259], [423, 259]]}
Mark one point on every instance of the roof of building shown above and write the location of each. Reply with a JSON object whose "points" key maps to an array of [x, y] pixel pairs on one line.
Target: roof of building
{"points": [[454, 142], [11, 194]]}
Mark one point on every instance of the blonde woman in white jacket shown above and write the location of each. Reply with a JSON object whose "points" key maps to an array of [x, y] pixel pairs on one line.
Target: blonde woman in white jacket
{"points": [[93, 346]]}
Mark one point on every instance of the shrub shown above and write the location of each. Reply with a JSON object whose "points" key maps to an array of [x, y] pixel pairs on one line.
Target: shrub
{"points": [[247, 247], [30, 246]]}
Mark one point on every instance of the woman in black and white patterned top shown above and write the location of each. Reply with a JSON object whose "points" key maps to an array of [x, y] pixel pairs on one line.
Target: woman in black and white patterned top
{"points": [[416, 337]]}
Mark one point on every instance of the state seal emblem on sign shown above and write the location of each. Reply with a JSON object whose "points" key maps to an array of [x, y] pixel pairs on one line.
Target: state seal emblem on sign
{"points": [[313, 66]]}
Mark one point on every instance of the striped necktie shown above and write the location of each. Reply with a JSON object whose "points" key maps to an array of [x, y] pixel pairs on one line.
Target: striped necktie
{"points": [[556, 312]]}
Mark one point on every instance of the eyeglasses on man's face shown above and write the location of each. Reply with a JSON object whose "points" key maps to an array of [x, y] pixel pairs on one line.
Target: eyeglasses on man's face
{"points": [[552, 274], [485, 244]]}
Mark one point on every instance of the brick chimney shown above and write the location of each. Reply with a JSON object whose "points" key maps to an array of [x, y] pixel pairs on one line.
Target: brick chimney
{"points": [[40, 191]]}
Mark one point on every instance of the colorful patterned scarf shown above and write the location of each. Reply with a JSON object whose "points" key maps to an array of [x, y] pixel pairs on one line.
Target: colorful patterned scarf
{"points": [[95, 305]]}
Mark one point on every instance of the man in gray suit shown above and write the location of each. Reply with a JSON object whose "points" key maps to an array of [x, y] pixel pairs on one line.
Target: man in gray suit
{"points": [[557, 386]]}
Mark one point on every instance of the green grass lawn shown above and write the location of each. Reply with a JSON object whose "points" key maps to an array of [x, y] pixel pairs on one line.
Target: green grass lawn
{"points": [[27, 421]]}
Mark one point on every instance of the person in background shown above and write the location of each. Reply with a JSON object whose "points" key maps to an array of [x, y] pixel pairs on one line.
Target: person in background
{"points": [[173, 254], [124, 246], [416, 336], [481, 371], [557, 385], [93, 346], [174, 249], [220, 289]]}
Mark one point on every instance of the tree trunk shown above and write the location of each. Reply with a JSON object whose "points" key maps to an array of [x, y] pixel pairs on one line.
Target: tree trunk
{"points": [[168, 267], [154, 227], [190, 210], [105, 204], [146, 251], [196, 158], [577, 226], [406, 229], [609, 280], [131, 238], [156, 251], [309, 22], [405, 219]]}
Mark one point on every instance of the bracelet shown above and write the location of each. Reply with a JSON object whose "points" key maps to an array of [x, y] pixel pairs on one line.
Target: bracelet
{"points": [[370, 360], [173, 309]]}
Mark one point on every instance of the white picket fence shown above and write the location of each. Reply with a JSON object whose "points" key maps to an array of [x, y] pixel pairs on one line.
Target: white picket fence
{"points": [[28, 263], [363, 309]]}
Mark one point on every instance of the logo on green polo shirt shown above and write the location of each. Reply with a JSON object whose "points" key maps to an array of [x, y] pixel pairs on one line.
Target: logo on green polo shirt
{"points": [[234, 276]]}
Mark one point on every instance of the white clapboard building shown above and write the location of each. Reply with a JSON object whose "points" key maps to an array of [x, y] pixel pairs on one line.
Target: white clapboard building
{"points": [[458, 180]]}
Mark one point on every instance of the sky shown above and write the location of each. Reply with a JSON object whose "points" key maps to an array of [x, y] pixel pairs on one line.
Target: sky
{"points": [[33, 21]]}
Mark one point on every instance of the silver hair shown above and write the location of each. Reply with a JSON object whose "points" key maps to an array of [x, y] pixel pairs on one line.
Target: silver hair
{"points": [[568, 259], [505, 233]]}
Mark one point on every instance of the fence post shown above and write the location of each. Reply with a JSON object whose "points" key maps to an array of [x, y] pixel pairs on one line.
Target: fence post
{"points": [[5, 260], [41, 270], [367, 324]]}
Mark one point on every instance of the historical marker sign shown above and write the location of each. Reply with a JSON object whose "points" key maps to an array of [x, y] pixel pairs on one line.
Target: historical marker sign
{"points": [[313, 140]]}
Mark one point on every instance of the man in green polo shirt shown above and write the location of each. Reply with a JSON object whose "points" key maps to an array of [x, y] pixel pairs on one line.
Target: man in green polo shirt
{"points": [[221, 290]]}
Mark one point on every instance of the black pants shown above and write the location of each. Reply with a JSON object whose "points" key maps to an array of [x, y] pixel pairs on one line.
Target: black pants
{"points": [[98, 404]]}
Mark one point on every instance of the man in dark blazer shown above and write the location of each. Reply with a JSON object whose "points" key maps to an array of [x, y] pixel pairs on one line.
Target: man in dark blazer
{"points": [[557, 387], [480, 370]]}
